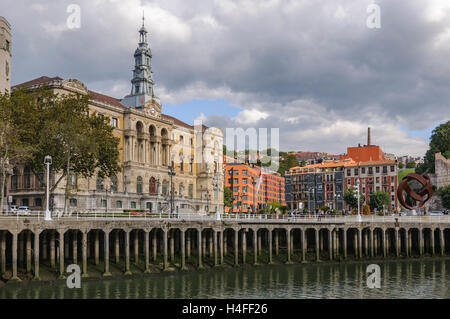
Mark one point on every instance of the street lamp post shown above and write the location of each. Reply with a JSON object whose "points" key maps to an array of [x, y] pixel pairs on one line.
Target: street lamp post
{"points": [[171, 174], [216, 188], [48, 162]]}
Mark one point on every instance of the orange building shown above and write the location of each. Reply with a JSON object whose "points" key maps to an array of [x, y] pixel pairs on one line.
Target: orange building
{"points": [[243, 179]]}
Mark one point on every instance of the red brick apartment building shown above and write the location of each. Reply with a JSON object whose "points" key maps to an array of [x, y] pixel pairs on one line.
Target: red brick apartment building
{"points": [[242, 179]]}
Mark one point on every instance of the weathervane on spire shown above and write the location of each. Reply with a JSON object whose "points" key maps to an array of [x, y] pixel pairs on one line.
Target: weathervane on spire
{"points": [[143, 17]]}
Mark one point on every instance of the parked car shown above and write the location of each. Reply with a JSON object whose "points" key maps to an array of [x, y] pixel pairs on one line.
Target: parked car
{"points": [[13, 209], [23, 210], [436, 213]]}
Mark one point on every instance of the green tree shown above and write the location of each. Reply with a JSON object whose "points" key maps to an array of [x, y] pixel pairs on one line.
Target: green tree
{"points": [[351, 199], [228, 197], [287, 161], [61, 126], [13, 151], [411, 165], [439, 142], [400, 165], [378, 200], [444, 193]]}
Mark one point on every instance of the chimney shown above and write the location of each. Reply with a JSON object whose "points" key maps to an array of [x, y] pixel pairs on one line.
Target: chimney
{"points": [[368, 136]]}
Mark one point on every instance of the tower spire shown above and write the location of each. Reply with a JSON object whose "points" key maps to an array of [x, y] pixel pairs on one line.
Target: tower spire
{"points": [[142, 81]]}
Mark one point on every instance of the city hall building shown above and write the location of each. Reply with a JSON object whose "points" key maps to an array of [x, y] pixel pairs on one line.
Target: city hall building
{"points": [[150, 142]]}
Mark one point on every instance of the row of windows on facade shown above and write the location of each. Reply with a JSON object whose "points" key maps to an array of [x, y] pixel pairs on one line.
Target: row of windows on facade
{"points": [[370, 170], [245, 189], [139, 186], [377, 180]]}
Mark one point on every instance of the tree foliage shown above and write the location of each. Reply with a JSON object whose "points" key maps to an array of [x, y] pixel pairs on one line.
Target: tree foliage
{"points": [[351, 199], [444, 193], [287, 161], [378, 200], [228, 197], [61, 126], [439, 142]]}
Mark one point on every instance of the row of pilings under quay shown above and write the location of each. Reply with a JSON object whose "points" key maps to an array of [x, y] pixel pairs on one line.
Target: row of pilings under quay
{"points": [[105, 248]]}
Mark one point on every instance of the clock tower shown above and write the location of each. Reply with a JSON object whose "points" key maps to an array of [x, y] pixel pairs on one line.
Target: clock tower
{"points": [[142, 82]]}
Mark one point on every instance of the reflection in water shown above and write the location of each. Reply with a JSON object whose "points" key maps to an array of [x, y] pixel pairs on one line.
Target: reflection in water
{"points": [[399, 279]]}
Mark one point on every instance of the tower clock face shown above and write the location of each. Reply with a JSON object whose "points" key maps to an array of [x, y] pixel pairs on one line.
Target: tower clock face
{"points": [[153, 110]]}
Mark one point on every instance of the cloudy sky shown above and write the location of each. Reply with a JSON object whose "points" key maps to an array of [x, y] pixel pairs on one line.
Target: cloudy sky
{"points": [[309, 67]]}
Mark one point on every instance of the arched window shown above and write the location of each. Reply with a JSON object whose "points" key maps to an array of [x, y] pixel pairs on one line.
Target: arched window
{"points": [[164, 187], [152, 186], [114, 183], [139, 185], [152, 130], [99, 183], [27, 178], [191, 190], [15, 178]]}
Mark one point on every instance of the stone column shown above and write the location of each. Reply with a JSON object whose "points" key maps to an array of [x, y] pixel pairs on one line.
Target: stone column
{"points": [[188, 243], [52, 248], [221, 246], [259, 243], [147, 251], [304, 245], [441, 239], [154, 245], [277, 243], [236, 247], [407, 249], [359, 243], [330, 244], [215, 248], [127, 252], [383, 242], [84, 253], [270, 246], [28, 244], [210, 244], [317, 244], [75, 246], [397, 248], [183, 249], [344, 242], [3, 251], [106, 254], [117, 246], [420, 242], [204, 243], [410, 235], [355, 244], [225, 243], [244, 246], [136, 246], [366, 243], [255, 246], [36, 256], [165, 244], [61, 254], [172, 246], [371, 242], [288, 245], [199, 241], [432, 241], [96, 247], [14, 258]]}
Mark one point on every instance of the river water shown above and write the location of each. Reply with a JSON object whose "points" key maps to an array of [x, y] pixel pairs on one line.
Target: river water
{"points": [[426, 278]]}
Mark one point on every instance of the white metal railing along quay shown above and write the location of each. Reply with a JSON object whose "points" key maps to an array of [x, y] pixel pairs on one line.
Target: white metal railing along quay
{"points": [[259, 218]]}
